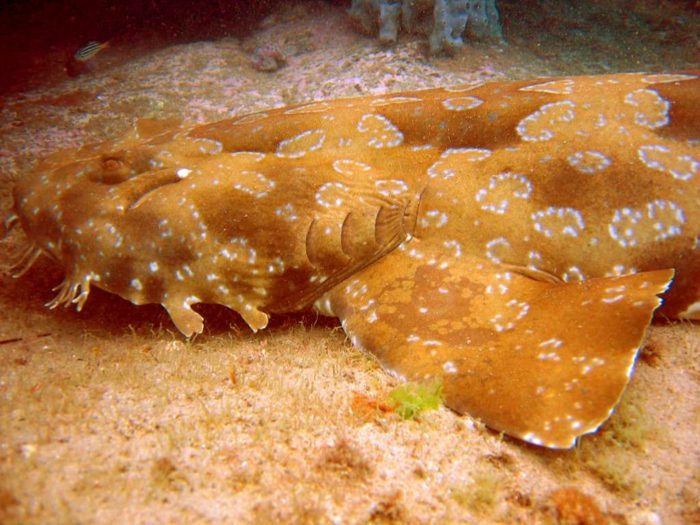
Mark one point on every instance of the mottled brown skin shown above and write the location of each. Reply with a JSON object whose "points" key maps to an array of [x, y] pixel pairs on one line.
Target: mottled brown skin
{"points": [[508, 238]]}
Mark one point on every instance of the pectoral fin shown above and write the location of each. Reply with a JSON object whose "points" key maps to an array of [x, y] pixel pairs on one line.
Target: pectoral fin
{"points": [[544, 362], [185, 319]]}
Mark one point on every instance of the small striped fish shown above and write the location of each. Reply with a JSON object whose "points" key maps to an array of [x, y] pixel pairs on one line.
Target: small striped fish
{"points": [[89, 50]]}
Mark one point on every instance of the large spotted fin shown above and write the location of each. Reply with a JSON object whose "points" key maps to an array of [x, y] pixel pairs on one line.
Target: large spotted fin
{"points": [[545, 362]]}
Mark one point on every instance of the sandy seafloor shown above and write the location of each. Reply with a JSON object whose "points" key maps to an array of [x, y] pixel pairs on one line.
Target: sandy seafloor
{"points": [[109, 416]]}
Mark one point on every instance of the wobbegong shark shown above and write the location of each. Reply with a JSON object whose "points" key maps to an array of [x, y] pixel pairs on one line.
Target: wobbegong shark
{"points": [[512, 240]]}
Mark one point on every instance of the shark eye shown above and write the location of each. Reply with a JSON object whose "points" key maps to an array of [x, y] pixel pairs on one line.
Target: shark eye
{"points": [[114, 171], [111, 164]]}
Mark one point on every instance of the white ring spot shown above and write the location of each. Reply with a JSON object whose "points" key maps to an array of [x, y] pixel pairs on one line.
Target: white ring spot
{"points": [[652, 108], [542, 123], [662, 158], [461, 103], [589, 161], [300, 145], [382, 133], [567, 221]]}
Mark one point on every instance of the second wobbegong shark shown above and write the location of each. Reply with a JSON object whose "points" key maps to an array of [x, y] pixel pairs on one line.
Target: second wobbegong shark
{"points": [[509, 239]]}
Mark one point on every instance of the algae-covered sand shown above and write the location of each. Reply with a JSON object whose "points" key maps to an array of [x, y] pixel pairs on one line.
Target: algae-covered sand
{"points": [[110, 416]]}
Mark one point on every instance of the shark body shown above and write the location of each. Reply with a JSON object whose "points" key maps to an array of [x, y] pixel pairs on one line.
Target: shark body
{"points": [[509, 239]]}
